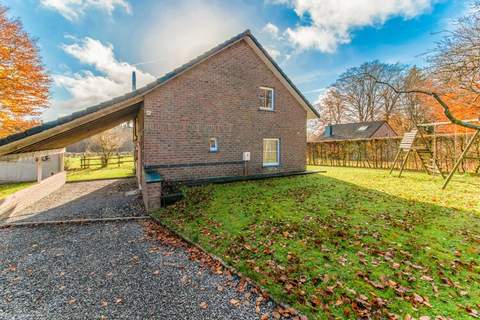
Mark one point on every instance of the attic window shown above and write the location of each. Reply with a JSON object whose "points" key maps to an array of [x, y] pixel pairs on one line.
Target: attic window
{"points": [[267, 98], [362, 128], [213, 144]]}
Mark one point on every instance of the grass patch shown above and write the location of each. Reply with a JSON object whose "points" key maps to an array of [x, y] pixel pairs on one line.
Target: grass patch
{"points": [[350, 243], [9, 188], [75, 173]]}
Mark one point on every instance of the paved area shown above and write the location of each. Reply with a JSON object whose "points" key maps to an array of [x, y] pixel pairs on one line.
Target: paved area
{"points": [[114, 270], [92, 199]]}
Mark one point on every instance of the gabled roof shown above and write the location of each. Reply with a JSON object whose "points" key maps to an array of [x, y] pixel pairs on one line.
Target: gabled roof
{"points": [[137, 95], [347, 131]]}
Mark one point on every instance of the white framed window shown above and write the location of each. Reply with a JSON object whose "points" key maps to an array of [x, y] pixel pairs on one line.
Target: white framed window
{"points": [[213, 144], [267, 98], [271, 152]]}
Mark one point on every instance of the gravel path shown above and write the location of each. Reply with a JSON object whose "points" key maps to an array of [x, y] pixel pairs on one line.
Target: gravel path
{"points": [[109, 271], [92, 199]]}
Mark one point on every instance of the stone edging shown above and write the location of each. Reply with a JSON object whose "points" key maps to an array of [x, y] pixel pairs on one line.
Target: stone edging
{"points": [[72, 221]]}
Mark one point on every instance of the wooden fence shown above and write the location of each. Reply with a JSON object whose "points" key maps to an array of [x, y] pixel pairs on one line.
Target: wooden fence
{"points": [[87, 162], [380, 152]]}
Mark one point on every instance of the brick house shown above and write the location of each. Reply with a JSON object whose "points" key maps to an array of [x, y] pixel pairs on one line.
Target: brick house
{"points": [[229, 112]]}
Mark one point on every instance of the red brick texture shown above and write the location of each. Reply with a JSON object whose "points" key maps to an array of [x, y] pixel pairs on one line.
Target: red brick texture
{"points": [[220, 98]]}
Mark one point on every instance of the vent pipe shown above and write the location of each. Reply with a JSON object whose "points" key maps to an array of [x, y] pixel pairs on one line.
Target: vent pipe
{"points": [[134, 81]]}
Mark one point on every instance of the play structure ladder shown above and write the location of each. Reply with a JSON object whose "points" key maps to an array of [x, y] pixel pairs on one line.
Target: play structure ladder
{"points": [[407, 146]]}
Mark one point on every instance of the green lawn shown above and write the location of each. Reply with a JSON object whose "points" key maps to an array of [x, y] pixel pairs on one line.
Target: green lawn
{"points": [[347, 243], [74, 173], [9, 188]]}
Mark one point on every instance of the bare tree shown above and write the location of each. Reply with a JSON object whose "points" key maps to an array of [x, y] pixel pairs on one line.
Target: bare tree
{"points": [[363, 97], [332, 107], [414, 109], [455, 66], [456, 58], [107, 143]]}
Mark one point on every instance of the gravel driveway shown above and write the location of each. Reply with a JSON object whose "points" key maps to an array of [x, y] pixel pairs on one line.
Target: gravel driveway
{"points": [[111, 270], [92, 199]]}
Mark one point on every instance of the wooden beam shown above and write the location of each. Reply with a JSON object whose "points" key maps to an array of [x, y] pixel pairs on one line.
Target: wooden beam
{"points": [[30, 155], [22, 143], [462, 156]]}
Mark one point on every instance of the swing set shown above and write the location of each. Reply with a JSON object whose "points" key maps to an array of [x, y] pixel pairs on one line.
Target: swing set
{"points": [[414, 142]]}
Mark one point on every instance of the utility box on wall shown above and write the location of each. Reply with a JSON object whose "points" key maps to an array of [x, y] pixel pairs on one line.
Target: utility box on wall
{"points": [[246, 156]]}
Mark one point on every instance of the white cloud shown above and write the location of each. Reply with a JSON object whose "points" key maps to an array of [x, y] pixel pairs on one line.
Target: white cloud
{"points": [[322, 93], [330, 23], [181, 32], [274, 53], [75, 9], [271, 29], [87, 88]]}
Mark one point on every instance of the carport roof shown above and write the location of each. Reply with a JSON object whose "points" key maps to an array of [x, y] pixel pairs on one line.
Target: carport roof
{"points": [[135, 97]]}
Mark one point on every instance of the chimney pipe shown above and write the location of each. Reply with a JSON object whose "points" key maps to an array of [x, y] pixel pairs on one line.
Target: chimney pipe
{"points": [[134, 81], [328, 131]]}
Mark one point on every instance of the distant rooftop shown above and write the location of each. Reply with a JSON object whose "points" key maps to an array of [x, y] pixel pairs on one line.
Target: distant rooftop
{"points": [[348, 131]]}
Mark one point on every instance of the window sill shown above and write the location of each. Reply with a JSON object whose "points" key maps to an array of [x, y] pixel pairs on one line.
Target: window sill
{"points": [[264, 109], [212, 151], [276, 165]]}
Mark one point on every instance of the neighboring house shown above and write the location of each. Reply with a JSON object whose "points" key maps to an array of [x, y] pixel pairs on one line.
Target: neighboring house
{"points": [[351, 131], [229, 112]]}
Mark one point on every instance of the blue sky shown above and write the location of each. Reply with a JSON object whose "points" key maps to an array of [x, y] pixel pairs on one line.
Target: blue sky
{"points": [[90, 46]]}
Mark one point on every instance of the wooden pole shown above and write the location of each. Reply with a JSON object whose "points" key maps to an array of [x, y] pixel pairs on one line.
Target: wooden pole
{"points": [[460, 159], [395, 160], [61, 162], [404, 162]]}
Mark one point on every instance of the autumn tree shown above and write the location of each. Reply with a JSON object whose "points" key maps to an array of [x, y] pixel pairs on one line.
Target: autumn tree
{"points": [[107, 143], [24, 83]]}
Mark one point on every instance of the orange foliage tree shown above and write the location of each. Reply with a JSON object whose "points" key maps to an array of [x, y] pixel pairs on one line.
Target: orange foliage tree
{"points": [[24, 83]]}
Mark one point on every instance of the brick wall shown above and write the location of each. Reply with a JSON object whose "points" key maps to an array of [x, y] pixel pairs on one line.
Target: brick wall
{"points": [[220, 98]]}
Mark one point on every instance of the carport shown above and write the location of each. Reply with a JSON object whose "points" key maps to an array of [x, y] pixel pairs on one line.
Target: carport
{"points": [[52, 137]]}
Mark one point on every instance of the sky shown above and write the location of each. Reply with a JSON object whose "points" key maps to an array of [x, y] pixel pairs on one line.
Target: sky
{"points": [[90, 47]]}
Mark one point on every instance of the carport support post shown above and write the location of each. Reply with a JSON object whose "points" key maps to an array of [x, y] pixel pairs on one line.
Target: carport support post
{"points": [[38, 161], [61, 162]]}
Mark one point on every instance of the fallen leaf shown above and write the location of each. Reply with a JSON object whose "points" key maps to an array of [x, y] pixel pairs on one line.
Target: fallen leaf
{"points": [[203, 305], [234, 302]]}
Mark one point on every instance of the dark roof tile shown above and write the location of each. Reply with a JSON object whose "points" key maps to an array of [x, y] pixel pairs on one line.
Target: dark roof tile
{"points": [[148, 87], [347, 131]]}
